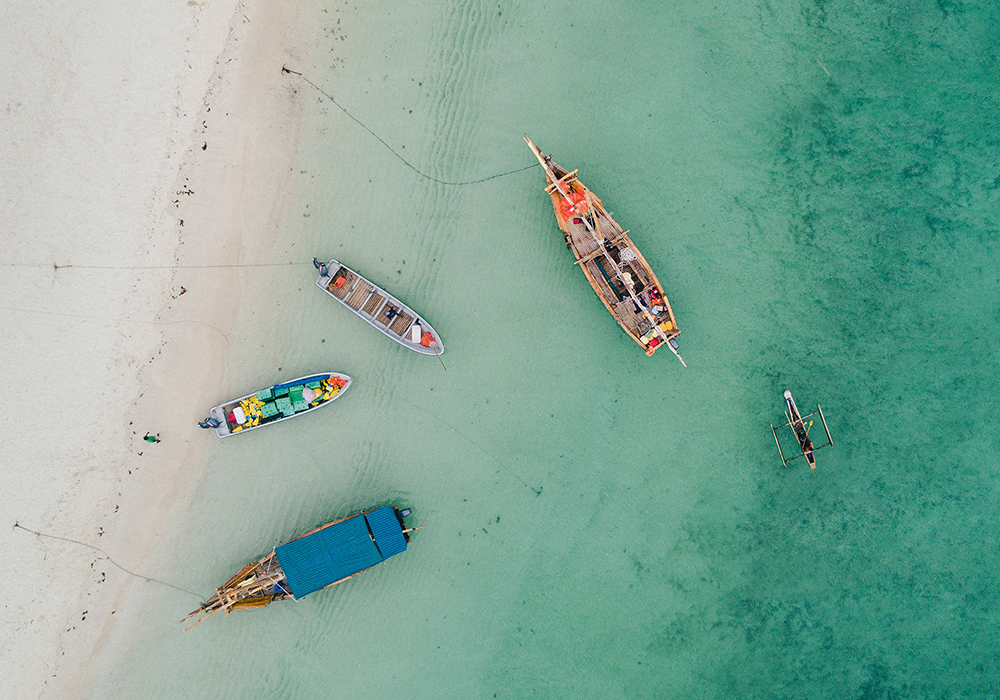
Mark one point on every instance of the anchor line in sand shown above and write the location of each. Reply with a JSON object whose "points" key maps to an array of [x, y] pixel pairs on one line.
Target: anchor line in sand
{"points": [[405, 162], [147, 579], [504, 467], [56, 266]]}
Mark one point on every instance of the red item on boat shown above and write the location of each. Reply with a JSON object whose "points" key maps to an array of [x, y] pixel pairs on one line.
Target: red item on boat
{"points": [[339, 282], [426, 339], [574, 203]]}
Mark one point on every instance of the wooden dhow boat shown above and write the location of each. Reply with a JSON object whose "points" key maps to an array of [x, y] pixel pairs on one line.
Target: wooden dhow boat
{"points": [[379, 308], [276, 403], [321, 558], [609, 259]]}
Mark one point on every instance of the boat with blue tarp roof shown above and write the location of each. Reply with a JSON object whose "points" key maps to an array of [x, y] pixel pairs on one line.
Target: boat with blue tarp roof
{"points": [[276, 403], [323, 557]]}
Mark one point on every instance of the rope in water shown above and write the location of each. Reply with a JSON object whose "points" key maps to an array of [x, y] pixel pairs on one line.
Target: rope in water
{"points": [[147, 579], [407, 163], [503, 467]]}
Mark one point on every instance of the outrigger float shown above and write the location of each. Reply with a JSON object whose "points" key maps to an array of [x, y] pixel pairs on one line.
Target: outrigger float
{"points": [[276, 403], [379, 308], [609, 259], [321, 558], [801, 430]]}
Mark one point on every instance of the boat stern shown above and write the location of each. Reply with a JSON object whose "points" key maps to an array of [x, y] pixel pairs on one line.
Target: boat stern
{"points": [[222, 430]]}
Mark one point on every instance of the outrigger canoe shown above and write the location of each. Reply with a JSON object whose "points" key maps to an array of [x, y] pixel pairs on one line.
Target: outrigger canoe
{"points": [[323, 557], [797, 422], [276, 403], [379, 308], [610, 260]]}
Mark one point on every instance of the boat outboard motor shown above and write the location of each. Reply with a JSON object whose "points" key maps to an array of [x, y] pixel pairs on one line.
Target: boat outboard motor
{"points": [[673, 343], [403, 513], [321, 267]]}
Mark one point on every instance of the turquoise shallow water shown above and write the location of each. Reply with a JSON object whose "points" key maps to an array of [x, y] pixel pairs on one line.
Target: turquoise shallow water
{"points": [[815, 184]]}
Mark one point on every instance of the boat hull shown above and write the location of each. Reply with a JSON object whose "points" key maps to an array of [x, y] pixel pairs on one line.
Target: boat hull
{"points": [[611, 262], [252, 405], [296, 569], [379, 309]]}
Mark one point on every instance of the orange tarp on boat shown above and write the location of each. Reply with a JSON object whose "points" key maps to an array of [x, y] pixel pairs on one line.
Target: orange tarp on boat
{"points": [[573, 204]]}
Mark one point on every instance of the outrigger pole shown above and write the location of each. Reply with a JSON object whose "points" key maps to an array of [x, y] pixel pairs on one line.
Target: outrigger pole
{"points": [[559, 184]]}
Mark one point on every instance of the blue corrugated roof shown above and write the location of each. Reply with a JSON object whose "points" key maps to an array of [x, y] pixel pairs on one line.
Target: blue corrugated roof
{"points": [[387, 532], [327, 556]]}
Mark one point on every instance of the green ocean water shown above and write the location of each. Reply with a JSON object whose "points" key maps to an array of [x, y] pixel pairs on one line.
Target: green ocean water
{"points": [[815, 184]]}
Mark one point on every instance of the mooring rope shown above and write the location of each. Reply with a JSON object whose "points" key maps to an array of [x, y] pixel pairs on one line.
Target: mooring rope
{"points": [[503, 467], [147, 579], [57, 266], [407, 163]]}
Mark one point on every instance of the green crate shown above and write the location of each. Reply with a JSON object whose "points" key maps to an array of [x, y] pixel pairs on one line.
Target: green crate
{"points": [[295, 393], [284, 405], [299, 406], [280, 390], [265, 394], [268, 410], [313, 385]]}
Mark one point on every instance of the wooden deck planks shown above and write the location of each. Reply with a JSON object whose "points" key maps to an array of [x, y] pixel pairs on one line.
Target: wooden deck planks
{"points": [[625, 311], [401, 323], [359, 295], [583, 240], [342, 291], [372, 306], [383, 317], [607, 227]]}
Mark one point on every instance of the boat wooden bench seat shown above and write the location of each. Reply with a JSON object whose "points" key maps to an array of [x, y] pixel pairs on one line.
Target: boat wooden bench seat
{"points": [[358, 296], [401, 323], [383, 316], [373, 304]]}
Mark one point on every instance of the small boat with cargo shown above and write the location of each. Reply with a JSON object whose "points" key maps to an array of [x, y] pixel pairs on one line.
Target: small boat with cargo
{"points": [[610, 260], [378, 308], [276, 403], [323, 557]]}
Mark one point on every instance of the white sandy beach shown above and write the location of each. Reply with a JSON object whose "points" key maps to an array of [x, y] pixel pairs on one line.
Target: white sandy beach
{"points": [[140, 140]]}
